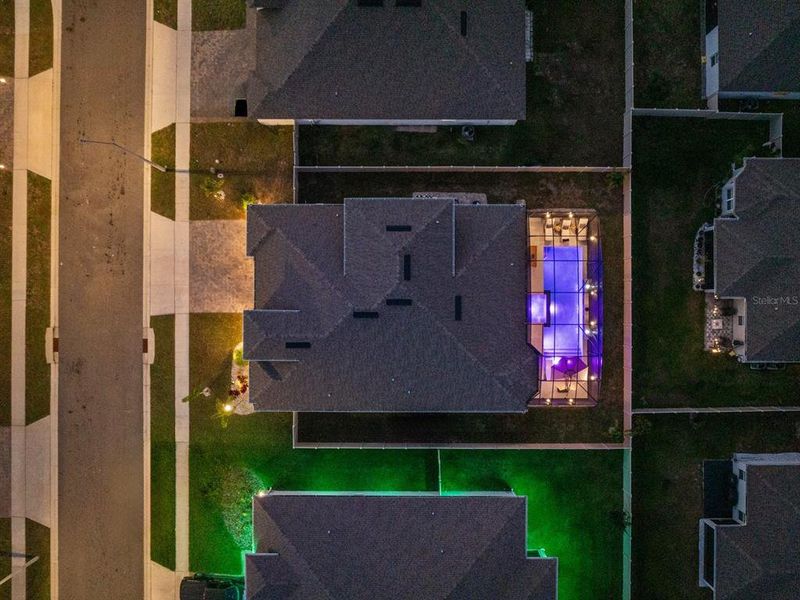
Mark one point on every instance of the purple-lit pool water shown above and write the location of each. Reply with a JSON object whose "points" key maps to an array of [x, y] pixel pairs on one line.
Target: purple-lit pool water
{"points": [[563, 279]]}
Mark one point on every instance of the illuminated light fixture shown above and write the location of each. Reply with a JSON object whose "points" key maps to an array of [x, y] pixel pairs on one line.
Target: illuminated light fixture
{"points": [[593, 323], [593, 238], [547, 401], [547, 214], [570, 214], [3, 80], [592, 377], [2, 167], [261, 493], [228, 407], [571, 401]]}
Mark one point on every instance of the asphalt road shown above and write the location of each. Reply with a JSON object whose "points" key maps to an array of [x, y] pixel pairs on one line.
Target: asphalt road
{"points": [[100, 437]]}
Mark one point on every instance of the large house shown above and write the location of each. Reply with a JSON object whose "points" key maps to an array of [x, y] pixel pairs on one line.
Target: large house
{"points": [[750, 531], [417, 62], [394, 547], [752, 49], [390, 305], [754, 255]]}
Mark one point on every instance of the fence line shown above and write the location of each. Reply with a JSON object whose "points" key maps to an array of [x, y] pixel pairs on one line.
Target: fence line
{"points": [[454, 169], [715, 410]]}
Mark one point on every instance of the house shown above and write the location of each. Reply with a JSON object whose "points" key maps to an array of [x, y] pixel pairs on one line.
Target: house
{"points": [[752, 49], [398, 547], [750, 531], [756, 260], [381, 62], [407, 305]]}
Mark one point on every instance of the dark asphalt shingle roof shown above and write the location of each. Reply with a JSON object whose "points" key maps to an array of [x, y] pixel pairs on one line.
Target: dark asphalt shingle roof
{"points": [[338, 60], [757, 257], [317, 264], [759, 45], [398, 547], [761, 559]]}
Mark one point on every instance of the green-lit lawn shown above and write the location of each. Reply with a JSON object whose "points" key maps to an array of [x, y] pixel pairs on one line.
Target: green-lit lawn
{"points": [[5, 295], [37, 308], [37, 543], [209, 15], [166, 12], [678, 162], [6, 39], [255, 159], [538, 425], [41, 40], [162, 442], [162, 185], [667, 48], [574, 504], [667, 491]]}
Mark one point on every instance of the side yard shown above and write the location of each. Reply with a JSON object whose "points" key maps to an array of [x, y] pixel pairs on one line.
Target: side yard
{"points": [[678, 166], [668, 494], [598, 424]]}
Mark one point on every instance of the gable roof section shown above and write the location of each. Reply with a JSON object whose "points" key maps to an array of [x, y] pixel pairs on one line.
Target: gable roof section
{"points": [[400, 547], [413, 358], [757, 257], [759, 46], [338, 60]]}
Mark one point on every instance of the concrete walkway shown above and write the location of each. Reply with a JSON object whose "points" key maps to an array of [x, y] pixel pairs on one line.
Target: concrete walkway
{"points": [[221, 272]]}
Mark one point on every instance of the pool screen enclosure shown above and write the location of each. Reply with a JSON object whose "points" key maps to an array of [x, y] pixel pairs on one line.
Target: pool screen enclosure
{"points": [[565, 305]]}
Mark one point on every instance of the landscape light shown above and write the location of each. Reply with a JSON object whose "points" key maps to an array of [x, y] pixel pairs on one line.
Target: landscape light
{"points": [[3, 80], [227, 407]]}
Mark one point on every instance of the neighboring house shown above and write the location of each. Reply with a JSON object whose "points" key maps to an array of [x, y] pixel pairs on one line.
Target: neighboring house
{"points": [[382, 62], [389, 305], [752, 49], [756, 259], [750, 530], [394, 547]]}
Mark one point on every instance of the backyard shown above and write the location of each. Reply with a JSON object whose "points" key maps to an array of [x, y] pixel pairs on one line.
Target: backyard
{"points": [[598, 424], [575, 103], [674, 191], [667, 491]]}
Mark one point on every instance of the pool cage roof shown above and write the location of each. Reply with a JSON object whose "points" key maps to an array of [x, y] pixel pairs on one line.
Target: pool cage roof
{"points": [[565, 305]]}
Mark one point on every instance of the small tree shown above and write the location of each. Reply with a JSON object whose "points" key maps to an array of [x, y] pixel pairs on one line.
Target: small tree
{"points": [[212, 187]]}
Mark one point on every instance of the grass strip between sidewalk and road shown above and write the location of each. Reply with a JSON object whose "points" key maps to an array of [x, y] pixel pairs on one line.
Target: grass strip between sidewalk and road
{"points": [[166, 12], [37, 543], [5, 295], [213, 15], [40, 56], [7, 38], [162, 185]]}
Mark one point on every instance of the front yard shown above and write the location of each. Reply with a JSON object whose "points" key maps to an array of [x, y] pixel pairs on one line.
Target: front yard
{"points": [[667, 491], [679, 164]]}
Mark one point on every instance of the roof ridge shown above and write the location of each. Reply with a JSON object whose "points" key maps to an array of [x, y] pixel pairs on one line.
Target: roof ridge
{"points": [[485, 246]]}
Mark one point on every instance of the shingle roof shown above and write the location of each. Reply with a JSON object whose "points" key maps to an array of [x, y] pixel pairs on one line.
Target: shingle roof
{"points": [[369, 547], [757, 257], [761, 559], [759, 45], [315, 265], [338, 60]]}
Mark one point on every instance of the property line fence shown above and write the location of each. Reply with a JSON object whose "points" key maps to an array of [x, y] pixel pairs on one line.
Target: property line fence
{"points": [[453, 169], [680, 410]]}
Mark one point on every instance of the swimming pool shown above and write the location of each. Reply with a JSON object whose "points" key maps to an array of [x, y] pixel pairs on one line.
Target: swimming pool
{"points": [[563, 284]]}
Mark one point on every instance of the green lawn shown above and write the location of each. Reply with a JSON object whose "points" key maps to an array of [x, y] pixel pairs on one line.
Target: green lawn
{"points": [[575, 101], [37, 308], [162, 185], [5, 295], [5, 560], [37, 543], [162, 443], [574, 504], [7, 40], [667, 491], [209, 15], [677, 165], [166, 12], [41, 40], [538, 425], [255, 159], [667, 49], [790, 109]]}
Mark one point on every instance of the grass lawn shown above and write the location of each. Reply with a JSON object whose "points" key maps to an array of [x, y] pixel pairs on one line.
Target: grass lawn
{"points": [[209, 15], [5, 560], [574, 504], [37, 308], [667, 491], [575, 102], [7, 41], [791, 119], [228, 465], [162, 185], [5, 295], [677, 166], [37, 543], [41, 41], [162, 443], [166, 12], [538, 425], [667, 48], [254, 158]]}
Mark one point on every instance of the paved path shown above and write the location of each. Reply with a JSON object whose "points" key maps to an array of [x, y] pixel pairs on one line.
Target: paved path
{"points": [[101, 542], [221, 271]]}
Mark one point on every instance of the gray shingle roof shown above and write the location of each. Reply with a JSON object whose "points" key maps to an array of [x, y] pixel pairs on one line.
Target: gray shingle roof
{"points": [[315, 265], [761, 559], [338, 60], [759, 45], [369, 547], [757, 257]]}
